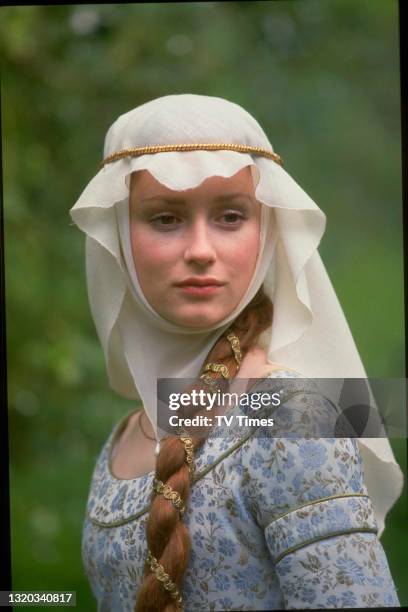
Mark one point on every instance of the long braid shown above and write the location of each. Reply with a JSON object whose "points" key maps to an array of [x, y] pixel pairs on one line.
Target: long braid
{"points": [[168, 539]]}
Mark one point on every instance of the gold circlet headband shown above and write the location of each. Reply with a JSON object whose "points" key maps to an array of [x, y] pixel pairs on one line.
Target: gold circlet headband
{"points": [[212, 146]]}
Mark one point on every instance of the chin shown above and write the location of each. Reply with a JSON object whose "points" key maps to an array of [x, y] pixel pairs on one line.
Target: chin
{"points": [[197, 320]]}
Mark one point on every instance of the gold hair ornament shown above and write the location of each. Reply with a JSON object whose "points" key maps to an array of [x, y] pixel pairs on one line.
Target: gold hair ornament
{"points": [[210, 382], [235, 346], [164, 578], [170, 494], [189, 448], [174, 496], [211, 146], [221, 368]]}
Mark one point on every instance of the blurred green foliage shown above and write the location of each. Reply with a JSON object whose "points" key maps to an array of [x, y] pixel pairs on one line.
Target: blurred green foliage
{"points": [[321, 77]]}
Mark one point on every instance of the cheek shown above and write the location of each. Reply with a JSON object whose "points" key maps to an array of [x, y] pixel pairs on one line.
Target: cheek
{"points": [[151, 255], [144, 253], [242, 253]]}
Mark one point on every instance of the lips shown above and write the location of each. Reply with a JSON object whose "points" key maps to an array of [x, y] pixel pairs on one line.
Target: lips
{"points": [[200, 287], [200, 282]]}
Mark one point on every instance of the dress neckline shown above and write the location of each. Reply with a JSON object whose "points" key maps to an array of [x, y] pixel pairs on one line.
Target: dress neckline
{"points": [[119, 428]]}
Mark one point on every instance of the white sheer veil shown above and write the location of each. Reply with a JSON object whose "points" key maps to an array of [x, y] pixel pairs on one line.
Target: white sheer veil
{"points": [[309, 332]]}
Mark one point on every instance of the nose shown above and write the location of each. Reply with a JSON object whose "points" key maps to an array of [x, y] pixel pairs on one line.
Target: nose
{"points": [[200, 248]]}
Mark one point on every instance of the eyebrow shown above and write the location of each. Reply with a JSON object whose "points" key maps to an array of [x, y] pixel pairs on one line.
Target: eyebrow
{"points": [[177, 200]]}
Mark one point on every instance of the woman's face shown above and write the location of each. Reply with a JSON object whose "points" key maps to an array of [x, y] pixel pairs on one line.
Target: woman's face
{"points": [[194, 251]]}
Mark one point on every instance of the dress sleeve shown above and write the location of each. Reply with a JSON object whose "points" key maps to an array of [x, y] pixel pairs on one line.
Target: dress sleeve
{"points": [[309, 498]]}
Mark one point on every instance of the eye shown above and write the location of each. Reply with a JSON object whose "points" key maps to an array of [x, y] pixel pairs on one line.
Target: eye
{"points": [[165, 220], [232, 218]]}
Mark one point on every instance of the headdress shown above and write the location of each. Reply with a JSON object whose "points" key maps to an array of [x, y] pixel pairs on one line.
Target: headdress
{"points": [[309, 332]]}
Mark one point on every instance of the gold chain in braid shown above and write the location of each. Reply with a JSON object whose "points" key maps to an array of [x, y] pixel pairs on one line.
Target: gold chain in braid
{"points": [[169, 494], [221, 368], [165, 579], [174, 496], [189, 448]]}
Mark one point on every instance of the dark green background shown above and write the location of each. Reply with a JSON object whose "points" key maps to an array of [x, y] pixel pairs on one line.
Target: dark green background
{"points": [[322, 78]]}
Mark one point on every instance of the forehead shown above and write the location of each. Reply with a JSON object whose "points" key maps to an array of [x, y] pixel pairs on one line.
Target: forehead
{"points": [[143, 185]]}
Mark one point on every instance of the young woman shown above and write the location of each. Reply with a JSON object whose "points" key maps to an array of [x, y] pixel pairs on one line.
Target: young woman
{"points": [[202, 261]]}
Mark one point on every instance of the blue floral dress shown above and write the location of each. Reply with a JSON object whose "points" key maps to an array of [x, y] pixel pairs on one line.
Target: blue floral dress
{"points": [[275, 522]]}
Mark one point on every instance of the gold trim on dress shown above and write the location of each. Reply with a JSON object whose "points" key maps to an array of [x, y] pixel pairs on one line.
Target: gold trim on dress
{"points": [[333, 534], [318, 501]]}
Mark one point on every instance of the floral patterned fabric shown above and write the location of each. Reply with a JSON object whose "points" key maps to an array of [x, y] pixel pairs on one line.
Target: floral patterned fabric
{"points": [[275, 522]]}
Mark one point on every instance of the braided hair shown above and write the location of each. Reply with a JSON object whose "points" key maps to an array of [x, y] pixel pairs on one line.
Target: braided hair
{"points": [[168, 539]]}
